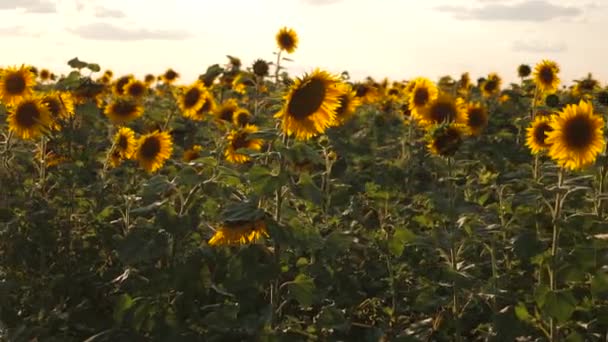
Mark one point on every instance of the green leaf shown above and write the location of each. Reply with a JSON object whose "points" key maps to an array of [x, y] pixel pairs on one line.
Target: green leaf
{"points": [[599, 285], [188, 177], [123, 304], [77, 64], [93, 67], [264, 182], [522, 313], [400, 238], [332, 318], [154, 188], [301, 289], [559, 305], [308, 190], [242, 211]]}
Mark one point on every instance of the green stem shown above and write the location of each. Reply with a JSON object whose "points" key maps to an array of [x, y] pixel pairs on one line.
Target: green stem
{"points": [[276, 72], [553, 329]]}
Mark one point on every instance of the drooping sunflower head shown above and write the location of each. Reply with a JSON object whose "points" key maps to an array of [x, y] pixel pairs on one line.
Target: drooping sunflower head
{"points": [[422, 94], [536, 134], [29, 118], [260, 68], [208, 106], [123, 109], [552, 100], [169, 76], [524, 70], [310, 105], [241, 138], [16, 83], [348, 103], [585, 86], [192, 153], [224, 113], [136, 89], [477, 118], [241, 117], [153, 150], [60, 106], [444, 109], [119, 86], [239, 233], [124, 142], [287, 40], [491, 85], [444, 140], [577, 136], [545, 76], [192, 99]]}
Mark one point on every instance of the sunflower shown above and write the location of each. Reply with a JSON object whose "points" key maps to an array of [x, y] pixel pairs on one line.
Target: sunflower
{"points": [[136, 89], [260, 68], [192, 153], [123, 109], [15, 84], [287, 40], [444, 140], [208, 106], [602, 97], [239, 232], [153, 149], [348, 103], [60, 106], [536, 134], [585, 86], [464, 83], [28, 118], [241, 117], [491, 85], [149, 79], [524, 71], [477, 117], [44, 75], [192, 99], [310, 105], [119, 86], [577, 137], [124, 142], [423, 92], [225, 112], [108, 73], [444, 109], [169, 76], [545, 76], [365, 92], [241, 138]]}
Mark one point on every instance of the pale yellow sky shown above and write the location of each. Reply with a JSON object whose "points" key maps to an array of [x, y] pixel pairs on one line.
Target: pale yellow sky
{"points": [[400, 39]]}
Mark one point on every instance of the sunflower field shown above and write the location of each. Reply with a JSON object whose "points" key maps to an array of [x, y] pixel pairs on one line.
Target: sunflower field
{"points": [[253, 205]]}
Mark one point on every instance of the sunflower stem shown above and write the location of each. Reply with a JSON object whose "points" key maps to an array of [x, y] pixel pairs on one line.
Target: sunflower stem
{"points": [[553, 329], [278, 67], [42, 162]]}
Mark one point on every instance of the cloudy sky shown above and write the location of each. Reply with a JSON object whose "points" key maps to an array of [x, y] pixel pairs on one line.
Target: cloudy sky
{"points": [[399, 39]]}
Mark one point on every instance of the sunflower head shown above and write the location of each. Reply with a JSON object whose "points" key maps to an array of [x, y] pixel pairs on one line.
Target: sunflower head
{"points": [[239, 233], [60, 106], [29, 118], [552, 100], [602, 97], [422, 94], [136, 89], [149, 79], [260, 68], [536, 134], [464, 83], [444, 140], [241, 117], [310, 105], [444, 109], [585, 86], [119, 86], [577, 136], [477, 117], [241, 138], [169, 76], [208, 106], [124, 142], [192, 153], [123, 109], [491, 85], [192, 99], [545, 76], [224, 113], [108, 73], [287, 40], [524, 70], [44, 75], [348, 103], [153, 150], [16, 83]]}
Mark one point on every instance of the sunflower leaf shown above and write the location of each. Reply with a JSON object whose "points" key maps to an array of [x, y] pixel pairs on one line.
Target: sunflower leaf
{"points": [[301, 289]]}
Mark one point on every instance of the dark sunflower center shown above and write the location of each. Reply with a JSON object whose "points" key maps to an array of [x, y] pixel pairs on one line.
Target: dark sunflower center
{"points": [[578, 132], [122, 143], [124, 108], [442, 112], [476, 117], [307, 99], [27, 114], [344, 102], [191, 97], [393, 92], [136, 90], [490, 86], [588, 85], [150, 148], [170, 75], [14, 84], [546, 75], [286, 41], [227, 114], [421, 97], [149, 78], [206, 106], [121, 83], [448, 142], [540, 133], [242, 119], [405, 110], [240, 141], [45, 75], [260, 68], [53, 105]]}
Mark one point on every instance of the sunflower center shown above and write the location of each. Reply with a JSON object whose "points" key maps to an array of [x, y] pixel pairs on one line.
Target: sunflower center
{"points": [[343, 104], [121, 83], [540, 133], [307, 99], [362, 91], [150, 148], [447, 143], [578, 132], [490, 86], [242, 118], [53, 105], [14, 84], [170, 75], [240, 141], [442, 111], [286, 41], [393, 92], [421, 97], [122, 143], [27, 114], [206, 106], [191, 97], [136, 89], [546, 75], [124, 108], [227, 114], [476, 117]]}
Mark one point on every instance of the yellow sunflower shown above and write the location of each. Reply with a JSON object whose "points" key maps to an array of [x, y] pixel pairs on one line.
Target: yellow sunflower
{"points": [[241, 117], [536, 134], [60, 106], [149, 79], [224, 113], [29, 118], [423, 92], [136, 89], [444, 140], [123, 109], [44, 75], [119, 86], [545, 76], [444, 109], [477, 117], [348, 104], [491, 85], [15, 84], [192, 99], [577, 136], [310, 105], [208, 106], [153, 150], [192, 153], [124, 142], [585, 86], [287, 40], [239, 232], [169, 76], [464, 83], [241, 138], [365, 92]]}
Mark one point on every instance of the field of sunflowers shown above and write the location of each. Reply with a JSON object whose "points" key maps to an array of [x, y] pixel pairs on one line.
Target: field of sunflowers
{"points": [[253, 205]]}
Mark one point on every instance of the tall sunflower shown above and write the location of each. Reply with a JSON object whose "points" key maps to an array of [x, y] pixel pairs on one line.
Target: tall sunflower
{"points": [[153, 150], [44, 75], [169, 76], [60, 106], [260, 68], [310, 105], [123, 146], [423, 92], [444, 109], [477, 117], [241, 138], [491, 85], [287, 40], [239, 233], [28, 118], [577, 136], [545, 76], [123, 109], [536, 134], [348, 103], [192, 99], [444, 140], [16, 83], [136, 89]]}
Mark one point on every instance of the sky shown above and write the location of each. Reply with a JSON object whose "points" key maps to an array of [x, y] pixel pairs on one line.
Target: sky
{"points": [[398, 39]]}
